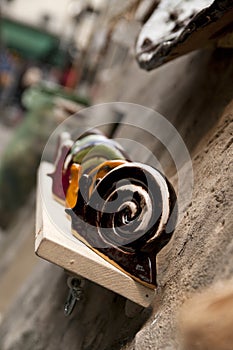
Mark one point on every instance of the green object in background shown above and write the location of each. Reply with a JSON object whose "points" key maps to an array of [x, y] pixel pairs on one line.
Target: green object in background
{"points": [[21, 159], [33, 99], [45, 93], [31, 42]]}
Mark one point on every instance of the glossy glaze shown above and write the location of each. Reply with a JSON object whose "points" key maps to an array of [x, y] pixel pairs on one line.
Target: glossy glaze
{"points": [[124, 211]]}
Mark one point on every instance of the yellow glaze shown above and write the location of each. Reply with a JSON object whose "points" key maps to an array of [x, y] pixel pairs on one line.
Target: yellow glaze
{"points": [[72, 192]]}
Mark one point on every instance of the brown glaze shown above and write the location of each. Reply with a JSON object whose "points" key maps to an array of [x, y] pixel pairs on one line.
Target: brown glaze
{"points": [[124, 211]]}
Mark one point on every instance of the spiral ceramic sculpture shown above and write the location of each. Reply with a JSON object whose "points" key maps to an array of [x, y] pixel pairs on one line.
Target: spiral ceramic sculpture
{"points": [[124, 211]]}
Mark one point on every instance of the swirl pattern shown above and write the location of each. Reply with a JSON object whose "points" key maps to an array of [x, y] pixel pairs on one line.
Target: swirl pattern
{"points": [[124, 211]]}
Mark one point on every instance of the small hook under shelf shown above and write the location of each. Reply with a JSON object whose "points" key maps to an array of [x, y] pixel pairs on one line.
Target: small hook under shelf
{"points": [[75, 294]]}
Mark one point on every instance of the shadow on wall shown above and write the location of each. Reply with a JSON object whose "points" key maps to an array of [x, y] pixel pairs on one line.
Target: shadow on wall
{"points": [[200, 95]]}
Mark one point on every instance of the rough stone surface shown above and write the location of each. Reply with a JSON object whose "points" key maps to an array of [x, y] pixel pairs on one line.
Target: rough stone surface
{"points": [[36, 320], [201, 251]]}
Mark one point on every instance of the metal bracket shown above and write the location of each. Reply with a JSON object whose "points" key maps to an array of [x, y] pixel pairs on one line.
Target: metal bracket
{"points": [[75, 294]]}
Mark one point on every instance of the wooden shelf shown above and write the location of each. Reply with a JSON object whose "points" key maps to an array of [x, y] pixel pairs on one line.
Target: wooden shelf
{"points": [[55, 243]]}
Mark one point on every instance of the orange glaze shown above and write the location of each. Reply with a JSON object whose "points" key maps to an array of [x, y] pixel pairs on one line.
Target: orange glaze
{"points": [[97, 173], [72, 191]]}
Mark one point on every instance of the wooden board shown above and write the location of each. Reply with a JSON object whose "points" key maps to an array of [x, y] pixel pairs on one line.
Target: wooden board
{"points": [[55, 243]]}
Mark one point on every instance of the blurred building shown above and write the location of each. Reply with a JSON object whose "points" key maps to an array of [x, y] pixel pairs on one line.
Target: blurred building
{"points": [[97, 35], [41, 13]]}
